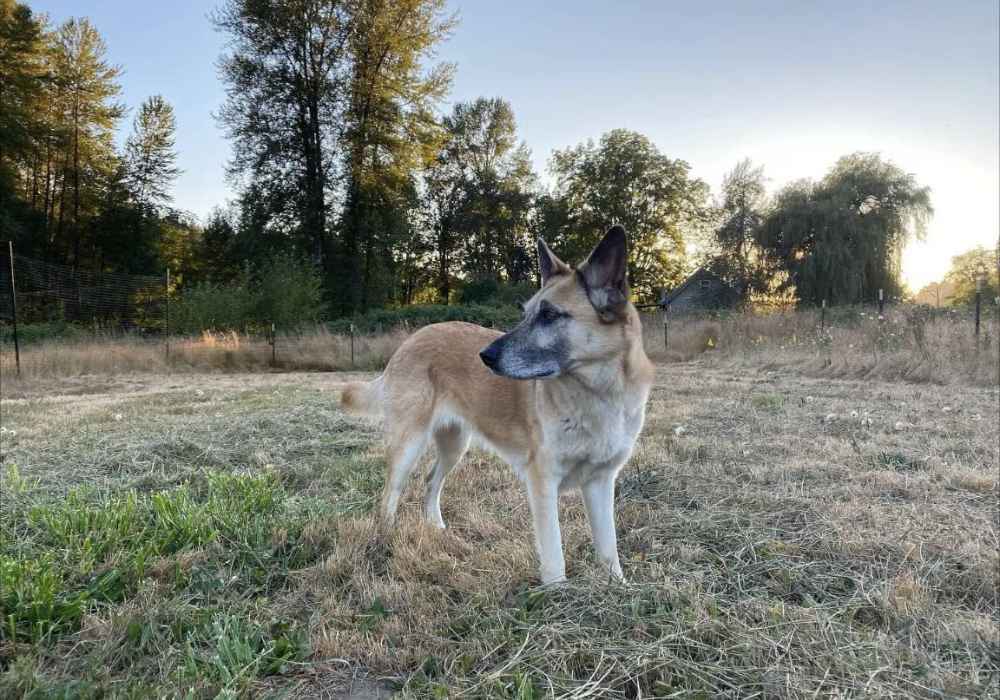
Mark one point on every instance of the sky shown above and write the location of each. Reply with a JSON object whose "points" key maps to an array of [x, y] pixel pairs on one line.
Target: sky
{"points": [[791, 85]]}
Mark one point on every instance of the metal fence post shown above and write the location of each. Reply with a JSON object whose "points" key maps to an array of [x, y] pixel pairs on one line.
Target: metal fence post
{"points": [[881, 302], [822, 317], [13, 307], [352, 345], [274, 346], [166, 312]]}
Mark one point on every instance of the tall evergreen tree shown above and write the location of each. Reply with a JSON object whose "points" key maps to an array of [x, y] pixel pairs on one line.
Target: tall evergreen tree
{"points": [[150, 155], [86, 88]]}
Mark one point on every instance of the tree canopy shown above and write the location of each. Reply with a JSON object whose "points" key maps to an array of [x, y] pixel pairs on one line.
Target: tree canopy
{"points": [[346, 165], [841, 239], [624, 179]]}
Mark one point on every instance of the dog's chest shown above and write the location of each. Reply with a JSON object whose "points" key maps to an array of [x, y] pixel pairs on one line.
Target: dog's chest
{"points": [[587, 442]]}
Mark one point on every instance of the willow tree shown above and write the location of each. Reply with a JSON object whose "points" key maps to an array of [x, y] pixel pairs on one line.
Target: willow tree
{"points": [[624, 179], [842, 239]]}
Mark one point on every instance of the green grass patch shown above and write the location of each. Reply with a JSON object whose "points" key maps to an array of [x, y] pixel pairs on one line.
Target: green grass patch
{"points": [[62, 558]]}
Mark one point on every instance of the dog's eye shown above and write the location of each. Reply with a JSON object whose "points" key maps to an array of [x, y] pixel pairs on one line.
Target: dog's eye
{"points": [[548, 313]]}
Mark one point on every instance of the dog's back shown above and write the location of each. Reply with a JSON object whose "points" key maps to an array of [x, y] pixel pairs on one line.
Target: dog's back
{"points": [[435, 387]]}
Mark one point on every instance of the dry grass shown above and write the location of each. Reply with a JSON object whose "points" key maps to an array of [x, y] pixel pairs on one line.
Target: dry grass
{"points": [[783, 536], [908, 344], [312, 350]]}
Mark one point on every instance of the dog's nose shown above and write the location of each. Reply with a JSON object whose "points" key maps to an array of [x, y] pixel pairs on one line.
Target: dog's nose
{"points": [[490, 356]]}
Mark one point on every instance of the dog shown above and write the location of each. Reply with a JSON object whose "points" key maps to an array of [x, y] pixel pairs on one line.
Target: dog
{"points": [[561, 398]]}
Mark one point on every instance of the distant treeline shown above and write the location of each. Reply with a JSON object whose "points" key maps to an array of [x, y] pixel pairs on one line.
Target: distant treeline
{"points": [[348, 172]]}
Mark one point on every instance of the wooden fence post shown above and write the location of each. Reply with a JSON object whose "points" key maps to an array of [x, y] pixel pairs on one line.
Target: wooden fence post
{"points": [[979, 302], [666, 337]]}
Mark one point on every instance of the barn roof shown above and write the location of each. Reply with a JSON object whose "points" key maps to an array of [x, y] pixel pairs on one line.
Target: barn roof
{"points": [[699, 274]]}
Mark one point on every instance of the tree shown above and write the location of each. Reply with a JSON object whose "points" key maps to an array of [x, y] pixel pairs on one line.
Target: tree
{"points": [[85, 92], [741, 208], [624, 179], [285, 81], [841, 239], [23, 67], [150, 158], [391, 134], [980, 263], [480, 190]]}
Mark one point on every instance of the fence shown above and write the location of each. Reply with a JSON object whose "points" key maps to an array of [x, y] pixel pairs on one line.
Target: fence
{"points": [[37, 292], [661, 314], [134, 313]]}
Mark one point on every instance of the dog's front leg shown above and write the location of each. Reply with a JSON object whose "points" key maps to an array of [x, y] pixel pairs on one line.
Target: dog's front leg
{"points": [[543, 497], [599, 499]]}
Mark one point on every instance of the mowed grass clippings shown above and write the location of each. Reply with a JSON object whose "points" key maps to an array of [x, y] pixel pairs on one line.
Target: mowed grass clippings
{"points": [[782, 536]]}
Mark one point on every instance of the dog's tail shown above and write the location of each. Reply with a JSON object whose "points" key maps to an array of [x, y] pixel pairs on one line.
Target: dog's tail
{"points": [[363, 398]]}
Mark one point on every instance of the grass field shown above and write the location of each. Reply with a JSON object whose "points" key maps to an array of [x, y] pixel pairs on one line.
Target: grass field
{"points": [[783, 536]]}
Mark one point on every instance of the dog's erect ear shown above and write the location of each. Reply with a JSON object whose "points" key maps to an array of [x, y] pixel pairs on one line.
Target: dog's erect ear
{"points": [[604, 275], [549, 264]]}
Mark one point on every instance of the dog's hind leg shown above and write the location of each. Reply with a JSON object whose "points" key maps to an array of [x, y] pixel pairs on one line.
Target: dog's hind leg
{"points": [[404, 452], [452, 442]]}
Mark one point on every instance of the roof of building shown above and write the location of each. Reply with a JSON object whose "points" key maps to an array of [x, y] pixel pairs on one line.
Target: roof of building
{"points": [[699, 274]]}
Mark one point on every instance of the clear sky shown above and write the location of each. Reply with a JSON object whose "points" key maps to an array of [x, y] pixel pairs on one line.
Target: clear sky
{"points": [[792, 85]]}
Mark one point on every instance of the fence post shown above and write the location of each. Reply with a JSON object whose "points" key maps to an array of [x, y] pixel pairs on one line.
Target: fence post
{"points": [[166, 312], [13, 307], [666, 337], [979, 301], [274, 346], [352, 345], [822, 317], [881, 301]]}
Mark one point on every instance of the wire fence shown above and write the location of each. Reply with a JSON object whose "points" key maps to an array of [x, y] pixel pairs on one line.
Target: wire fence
{"points": [[106, 301]]}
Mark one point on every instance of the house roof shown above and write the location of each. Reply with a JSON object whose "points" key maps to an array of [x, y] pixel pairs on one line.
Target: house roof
{"points": [[700, 273]]}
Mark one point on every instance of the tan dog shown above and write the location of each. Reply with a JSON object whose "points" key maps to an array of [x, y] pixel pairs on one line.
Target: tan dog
{"points": [[561, 398]]}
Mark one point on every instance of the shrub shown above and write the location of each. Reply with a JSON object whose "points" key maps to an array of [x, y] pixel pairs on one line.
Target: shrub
{"points": [[211, 306], [39, 332], [289, 292], [379, 320], [284, 290], [488, 291]]}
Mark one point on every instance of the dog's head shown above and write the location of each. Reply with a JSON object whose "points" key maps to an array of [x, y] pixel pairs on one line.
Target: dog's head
{"points": [[576, 318]]}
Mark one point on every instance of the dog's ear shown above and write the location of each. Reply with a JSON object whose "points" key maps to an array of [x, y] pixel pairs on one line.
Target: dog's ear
{"points": [[604, 275], [549, 264]]}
